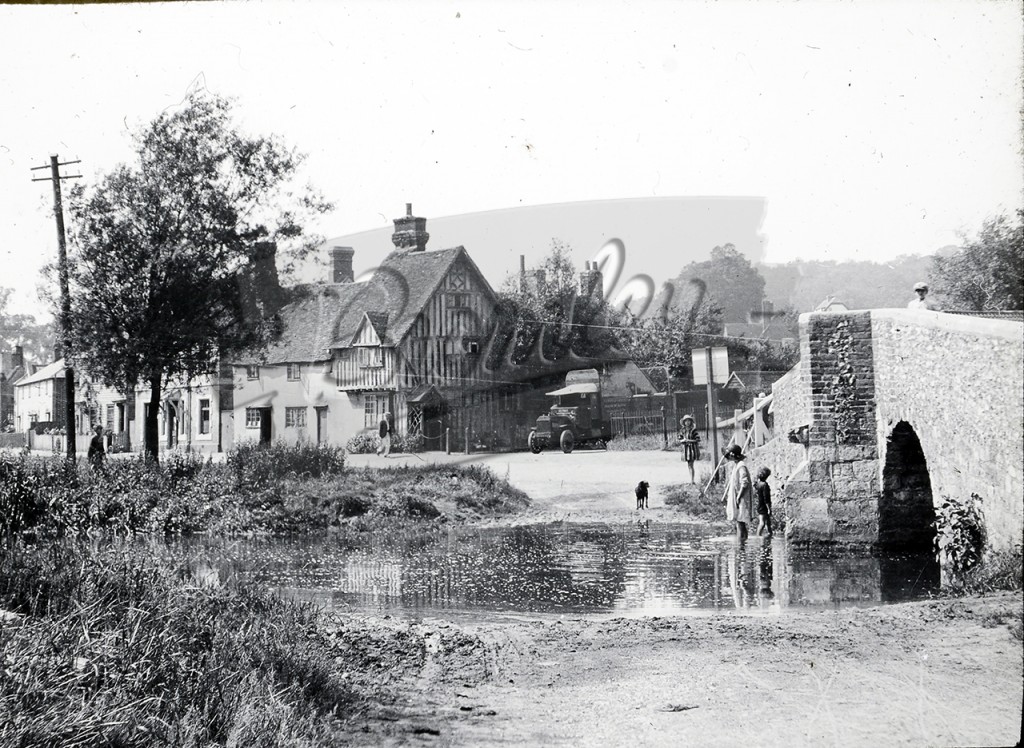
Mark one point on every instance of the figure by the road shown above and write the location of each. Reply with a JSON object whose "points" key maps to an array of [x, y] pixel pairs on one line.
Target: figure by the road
{"points": [[97, 453], [689, 437], [920, 301], [384, 431], [764, 502], [739, 492]]}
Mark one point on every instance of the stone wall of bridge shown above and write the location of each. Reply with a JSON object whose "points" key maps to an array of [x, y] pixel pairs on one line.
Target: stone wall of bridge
{"points": [[903, 408]]}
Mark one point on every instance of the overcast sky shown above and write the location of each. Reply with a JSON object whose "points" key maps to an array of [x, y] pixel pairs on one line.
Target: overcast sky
{"points": [[861, 130]]}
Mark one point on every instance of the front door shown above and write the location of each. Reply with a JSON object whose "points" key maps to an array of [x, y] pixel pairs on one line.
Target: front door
{"points": [[265, 425]]}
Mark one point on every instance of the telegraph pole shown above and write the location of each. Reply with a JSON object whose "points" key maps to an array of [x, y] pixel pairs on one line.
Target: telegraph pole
{"points": [[65, 298], [712, 419]]}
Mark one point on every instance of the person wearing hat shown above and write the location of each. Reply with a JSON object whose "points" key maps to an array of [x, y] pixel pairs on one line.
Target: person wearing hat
{"points": [[739, 492], [920, 302], [689, 437]]}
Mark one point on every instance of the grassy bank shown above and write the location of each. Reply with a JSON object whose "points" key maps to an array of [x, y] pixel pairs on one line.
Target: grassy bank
{"points": [[112, 649], [257, 491]]}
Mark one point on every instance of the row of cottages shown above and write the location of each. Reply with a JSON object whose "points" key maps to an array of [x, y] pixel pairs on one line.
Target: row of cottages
{"points": [[413, 340]]}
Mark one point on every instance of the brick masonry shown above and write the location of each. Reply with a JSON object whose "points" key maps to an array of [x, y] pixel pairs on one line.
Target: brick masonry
{"points": [[956, 380]]}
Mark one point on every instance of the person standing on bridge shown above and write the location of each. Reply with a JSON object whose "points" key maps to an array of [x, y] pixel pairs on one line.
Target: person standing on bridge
{"points": [[921, 302], [739, 492]]}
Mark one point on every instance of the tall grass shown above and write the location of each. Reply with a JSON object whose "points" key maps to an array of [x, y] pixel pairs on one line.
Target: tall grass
{"points": [[113, 649]]}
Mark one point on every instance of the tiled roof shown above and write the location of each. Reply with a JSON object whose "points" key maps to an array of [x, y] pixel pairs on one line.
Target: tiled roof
{"points": [[399, 288], [50, 371], [328, 315], [310, 322]]}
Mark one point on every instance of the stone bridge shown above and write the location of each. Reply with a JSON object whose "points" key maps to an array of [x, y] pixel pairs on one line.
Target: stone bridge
{"points": [[890, 411]]}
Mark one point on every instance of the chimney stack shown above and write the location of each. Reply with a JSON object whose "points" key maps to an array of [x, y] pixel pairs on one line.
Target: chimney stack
{"points": [[18, 359], [410, 232], [591, 281], [341, 264]]}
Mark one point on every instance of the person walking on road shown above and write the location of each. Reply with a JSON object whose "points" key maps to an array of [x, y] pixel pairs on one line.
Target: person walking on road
{"points": [[739, 492], [97, 453], [384, 431], [690, 439]]}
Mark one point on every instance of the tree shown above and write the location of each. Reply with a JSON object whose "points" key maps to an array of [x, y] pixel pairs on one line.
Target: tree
{"points": [[173, 255], [549, 314], [668, 339], [731, 282], [986, 274], [23, 330]]}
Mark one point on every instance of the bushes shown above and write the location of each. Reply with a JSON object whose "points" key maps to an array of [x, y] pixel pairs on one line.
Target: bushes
{"points": [[636, 443], [959, 535], [117, 649], [266, 491], [364, 444]]}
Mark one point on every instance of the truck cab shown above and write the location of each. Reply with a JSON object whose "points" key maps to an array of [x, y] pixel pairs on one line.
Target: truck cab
{"points": [[575, 418]]}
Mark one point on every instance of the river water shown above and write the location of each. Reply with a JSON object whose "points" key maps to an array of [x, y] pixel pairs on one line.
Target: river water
{"points": [[625, 569]]}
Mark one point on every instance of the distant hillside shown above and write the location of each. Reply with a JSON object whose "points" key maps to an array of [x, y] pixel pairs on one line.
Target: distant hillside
{"points": [[859, 285]]}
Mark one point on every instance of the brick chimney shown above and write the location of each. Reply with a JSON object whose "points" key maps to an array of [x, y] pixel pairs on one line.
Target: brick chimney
{"points": [[591, 282], [18, 359], [341, 264], [410, 232]]}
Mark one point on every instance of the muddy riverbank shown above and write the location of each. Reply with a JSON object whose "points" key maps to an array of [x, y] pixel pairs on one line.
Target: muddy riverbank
{"points": [[941, 672]]}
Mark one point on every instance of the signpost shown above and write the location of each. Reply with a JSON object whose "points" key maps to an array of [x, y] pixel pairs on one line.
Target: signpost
{"points": [[711, 367]]}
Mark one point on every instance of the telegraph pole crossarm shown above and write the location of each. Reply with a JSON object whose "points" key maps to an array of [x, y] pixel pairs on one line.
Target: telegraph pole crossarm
{"points": [[65, 297]]}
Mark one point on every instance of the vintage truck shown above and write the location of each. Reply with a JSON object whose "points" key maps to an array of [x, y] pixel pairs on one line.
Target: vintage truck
{"points": [[577, 416]]}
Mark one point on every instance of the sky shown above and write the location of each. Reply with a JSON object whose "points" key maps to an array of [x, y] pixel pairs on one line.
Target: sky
{"points": [[811, 130]]}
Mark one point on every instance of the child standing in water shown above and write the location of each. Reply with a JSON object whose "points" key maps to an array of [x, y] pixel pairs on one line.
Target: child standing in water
{"points": [[764, 501]]}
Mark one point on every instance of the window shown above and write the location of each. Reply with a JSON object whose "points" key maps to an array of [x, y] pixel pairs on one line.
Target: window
{"points": [[370, 357], [252, 418], [294, 372], [47, 416], [252, 371], [295, 417], [458, 300], [204, 416], [374, 407]]}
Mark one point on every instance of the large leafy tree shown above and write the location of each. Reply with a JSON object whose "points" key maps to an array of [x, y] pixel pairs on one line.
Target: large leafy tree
{"points": [[546, 313], [23, 330], [987, 273], [173, 262], [667, 335], [731, 283]]}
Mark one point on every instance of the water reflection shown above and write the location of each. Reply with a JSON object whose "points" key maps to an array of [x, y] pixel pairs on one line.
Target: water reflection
{"points": [[627, 569]]}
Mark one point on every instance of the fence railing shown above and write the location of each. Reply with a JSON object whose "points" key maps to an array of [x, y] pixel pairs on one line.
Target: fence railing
{"points": [[638, 425]]}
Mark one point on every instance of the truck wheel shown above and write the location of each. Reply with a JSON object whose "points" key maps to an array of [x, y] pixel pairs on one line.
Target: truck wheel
{"points": [[567, 441], [534, 442]]}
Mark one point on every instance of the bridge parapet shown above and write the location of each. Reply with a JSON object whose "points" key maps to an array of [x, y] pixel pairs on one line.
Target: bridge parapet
{"points": [[902, 407]]}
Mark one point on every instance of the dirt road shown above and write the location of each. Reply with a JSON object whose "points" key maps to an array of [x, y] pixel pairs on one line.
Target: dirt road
{"points": [[937, 673], [595, 483]]}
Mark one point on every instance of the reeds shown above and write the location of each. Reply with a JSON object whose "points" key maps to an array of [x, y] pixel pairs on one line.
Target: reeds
{"points": [[115, 647]]}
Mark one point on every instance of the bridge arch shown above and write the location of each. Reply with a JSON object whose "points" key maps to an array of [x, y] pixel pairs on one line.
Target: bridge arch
{"points": [[906, 508]]}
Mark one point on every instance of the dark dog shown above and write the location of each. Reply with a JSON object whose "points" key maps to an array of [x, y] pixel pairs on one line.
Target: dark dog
{"points": [[641, 495]]}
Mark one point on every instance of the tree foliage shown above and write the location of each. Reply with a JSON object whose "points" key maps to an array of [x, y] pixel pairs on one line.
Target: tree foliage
{"points": [[546, 314], [173, 261], [667, 337], [986, 274], [22, 329], [731, 283]]}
